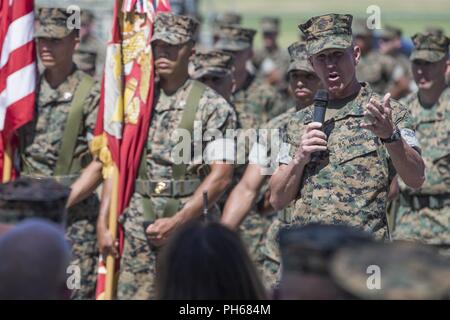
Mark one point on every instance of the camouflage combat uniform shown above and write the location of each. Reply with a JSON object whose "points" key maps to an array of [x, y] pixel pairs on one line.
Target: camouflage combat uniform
{"points": [[42, 140], [349, 183], [424, 214], [256, 102], [137, 272]]}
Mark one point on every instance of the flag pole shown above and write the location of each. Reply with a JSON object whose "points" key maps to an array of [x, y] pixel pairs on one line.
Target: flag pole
{"points": [[112, 227], [7, 164]]}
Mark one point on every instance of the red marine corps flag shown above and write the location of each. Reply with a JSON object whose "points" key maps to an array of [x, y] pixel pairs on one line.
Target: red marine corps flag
{"points": [[17, 76], [124, 113]]}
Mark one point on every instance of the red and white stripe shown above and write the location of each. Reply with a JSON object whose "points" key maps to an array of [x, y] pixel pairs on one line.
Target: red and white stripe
{"points": [[17, 63]]}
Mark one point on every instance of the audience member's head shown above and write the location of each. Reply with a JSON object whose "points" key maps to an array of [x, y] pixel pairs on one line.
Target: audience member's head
{"points": [[306, 254], [207, 261], [33, 198], [34, 258], [392, 271]]}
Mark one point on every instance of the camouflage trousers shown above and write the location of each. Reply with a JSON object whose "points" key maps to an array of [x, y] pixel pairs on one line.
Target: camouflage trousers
{"points": [[138, 263], [271, 255], [253, 232], [82, 236]]}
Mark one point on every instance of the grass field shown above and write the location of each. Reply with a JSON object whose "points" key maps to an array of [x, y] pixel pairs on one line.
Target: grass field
{"points": [[412, 15]]}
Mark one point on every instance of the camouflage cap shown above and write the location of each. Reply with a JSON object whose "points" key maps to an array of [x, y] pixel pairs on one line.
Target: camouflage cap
{"points": [[390, 32], [429, 47], [299, 58], [27, 198], [235, 38], [174, 29], [85, 61], [309, 248], [270, 24], [330, 31], [212, 62], [228, 18], [52, 23], [407, 271]]}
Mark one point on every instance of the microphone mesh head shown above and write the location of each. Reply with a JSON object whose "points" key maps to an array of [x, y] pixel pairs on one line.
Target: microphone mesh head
{"points": [[321, 95]]}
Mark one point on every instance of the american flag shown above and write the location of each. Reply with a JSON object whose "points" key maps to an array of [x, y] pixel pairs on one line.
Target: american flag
{"points": [[17, 70]]}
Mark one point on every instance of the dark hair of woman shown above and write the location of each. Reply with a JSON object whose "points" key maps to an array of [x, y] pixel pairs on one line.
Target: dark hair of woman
{"points": [[207, 261]]}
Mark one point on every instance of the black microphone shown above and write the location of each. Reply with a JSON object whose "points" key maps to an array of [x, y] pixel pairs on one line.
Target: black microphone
{"points": [[320, 105], [320, 108]]}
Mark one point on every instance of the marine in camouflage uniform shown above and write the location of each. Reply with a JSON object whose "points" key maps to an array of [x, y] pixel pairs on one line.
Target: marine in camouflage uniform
{"points": [[348, 183], [157, 188], [402, 82], [272, 61], [214, 68], [255, 101], [43, 139], [373, 67], [407, 271], [424, 214], [91, 53]]}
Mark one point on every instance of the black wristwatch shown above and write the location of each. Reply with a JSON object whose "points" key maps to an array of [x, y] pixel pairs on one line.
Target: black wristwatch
{"points": [[396, 136]]}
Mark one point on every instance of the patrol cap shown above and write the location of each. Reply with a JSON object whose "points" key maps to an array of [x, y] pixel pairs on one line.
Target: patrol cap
{"points": [[212, 62], [52, 23], [429, 47], [329, 31], [235, 38], [309, 248], [270, 24], [406, 270], [28, 198], [299, 58], [390, 32], [225, 19], [228, 18], [174, 29]]}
